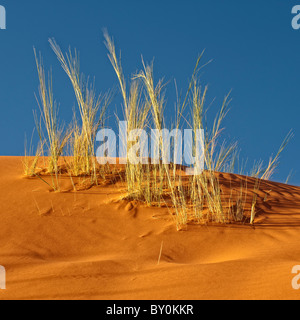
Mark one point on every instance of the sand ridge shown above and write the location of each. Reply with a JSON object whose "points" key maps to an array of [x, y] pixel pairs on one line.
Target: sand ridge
{"points": [[89, 245]]}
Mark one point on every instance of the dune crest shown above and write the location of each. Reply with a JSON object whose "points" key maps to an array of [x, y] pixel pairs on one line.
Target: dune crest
{"points": [[90, 244]]}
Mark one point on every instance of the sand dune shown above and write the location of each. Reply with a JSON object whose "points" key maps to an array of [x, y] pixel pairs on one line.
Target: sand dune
{"points": [[88, 245]]}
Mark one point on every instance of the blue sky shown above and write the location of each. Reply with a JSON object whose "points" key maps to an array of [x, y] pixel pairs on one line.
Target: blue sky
{"points": [[254, 49]]}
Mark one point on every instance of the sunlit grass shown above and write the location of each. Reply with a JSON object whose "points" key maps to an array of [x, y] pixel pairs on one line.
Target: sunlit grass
{"points": [[197, 198]]}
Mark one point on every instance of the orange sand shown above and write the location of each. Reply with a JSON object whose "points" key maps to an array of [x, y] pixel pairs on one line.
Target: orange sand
{"points": [[87, 245]]}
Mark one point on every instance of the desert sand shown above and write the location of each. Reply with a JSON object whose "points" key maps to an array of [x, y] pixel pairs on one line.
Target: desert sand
{"points": [[90, 245]]}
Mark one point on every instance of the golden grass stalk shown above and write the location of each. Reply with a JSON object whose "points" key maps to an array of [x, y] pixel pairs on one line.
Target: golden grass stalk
{"points": [[289, 177], [254, 200], [176, 193], [55, 140], [91, 110], [205, 186], [136, 114], [274, 161], [30, 162]]}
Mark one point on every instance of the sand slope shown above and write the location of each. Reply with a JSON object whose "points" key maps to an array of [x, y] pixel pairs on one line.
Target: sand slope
{"points": [[85, 245]]}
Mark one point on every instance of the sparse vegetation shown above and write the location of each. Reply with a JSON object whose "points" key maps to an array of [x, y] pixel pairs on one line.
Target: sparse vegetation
{"points": [[91, 111], [54, 137], [197, 198]]}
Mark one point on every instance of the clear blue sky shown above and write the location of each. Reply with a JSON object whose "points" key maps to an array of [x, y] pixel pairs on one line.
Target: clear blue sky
{"points": [[255, 52]]}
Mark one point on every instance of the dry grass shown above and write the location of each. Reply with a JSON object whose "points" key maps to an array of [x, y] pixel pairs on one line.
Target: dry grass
{"points": [[30, 162], [199, 197], [135, 112], [54, 138], [91, 109]]}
